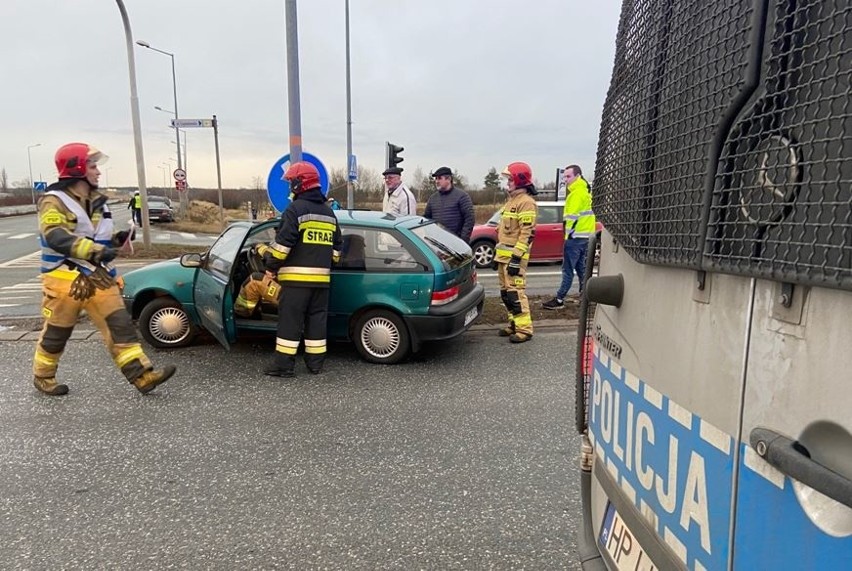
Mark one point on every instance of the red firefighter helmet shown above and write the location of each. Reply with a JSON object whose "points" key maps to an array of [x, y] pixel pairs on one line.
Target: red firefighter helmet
{"points": [[71, 159], [302, 176], [520, 173]]}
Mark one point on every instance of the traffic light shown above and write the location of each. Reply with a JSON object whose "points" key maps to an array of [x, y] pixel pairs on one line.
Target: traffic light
{"points": [[393, 154]]}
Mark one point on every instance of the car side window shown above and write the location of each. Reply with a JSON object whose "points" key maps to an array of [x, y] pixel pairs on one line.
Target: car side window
{"points": [[548, 215], [366, 249], [220, 257], [263, 236]]}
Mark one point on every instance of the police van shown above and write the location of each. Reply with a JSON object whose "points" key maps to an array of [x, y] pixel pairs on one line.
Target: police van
{"points": [[714, 379]]}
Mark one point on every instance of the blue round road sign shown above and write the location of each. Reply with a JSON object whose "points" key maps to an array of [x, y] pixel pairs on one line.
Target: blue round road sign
{"points": [[278, 189]]}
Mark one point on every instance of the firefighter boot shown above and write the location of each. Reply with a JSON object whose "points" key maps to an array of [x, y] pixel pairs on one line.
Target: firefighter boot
{"points": [[149, 380], [282, 366], [520, 337], [49, 386], [507, 331]]}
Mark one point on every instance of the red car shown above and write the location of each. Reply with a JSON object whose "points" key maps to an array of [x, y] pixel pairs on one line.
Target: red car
{"points": [[549, 237]]}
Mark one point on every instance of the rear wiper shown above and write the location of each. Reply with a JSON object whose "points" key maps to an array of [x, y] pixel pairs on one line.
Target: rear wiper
{"points": [[455, 255]]}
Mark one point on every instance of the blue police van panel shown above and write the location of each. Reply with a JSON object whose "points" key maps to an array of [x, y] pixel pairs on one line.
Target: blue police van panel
{"points": [[772, 528], [673, 464], [666, 460]]}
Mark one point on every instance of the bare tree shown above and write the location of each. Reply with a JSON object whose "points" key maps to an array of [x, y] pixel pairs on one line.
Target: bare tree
{"points": [[4, 180]]}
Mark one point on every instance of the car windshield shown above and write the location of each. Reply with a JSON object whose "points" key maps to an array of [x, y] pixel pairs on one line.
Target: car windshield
{"points": [[495, 219], [452, 250]]}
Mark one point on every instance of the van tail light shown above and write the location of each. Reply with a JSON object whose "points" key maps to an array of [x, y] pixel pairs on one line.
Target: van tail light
{"points": [[587, 356], [445, 296]]}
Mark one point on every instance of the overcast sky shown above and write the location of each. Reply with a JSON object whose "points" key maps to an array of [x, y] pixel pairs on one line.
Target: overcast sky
{"points": [[463, 83]]}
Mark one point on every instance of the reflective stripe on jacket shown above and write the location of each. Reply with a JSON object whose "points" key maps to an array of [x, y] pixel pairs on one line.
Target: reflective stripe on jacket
{"points": [[307, 242], [516, 230], [578, 216], [92, 232]]}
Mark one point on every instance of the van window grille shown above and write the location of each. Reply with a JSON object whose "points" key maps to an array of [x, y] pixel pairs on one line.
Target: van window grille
{"points": [[727, 146]]}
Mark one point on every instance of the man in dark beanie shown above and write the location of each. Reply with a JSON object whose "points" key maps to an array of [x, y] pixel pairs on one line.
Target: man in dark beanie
{"points": [[451, 207]]}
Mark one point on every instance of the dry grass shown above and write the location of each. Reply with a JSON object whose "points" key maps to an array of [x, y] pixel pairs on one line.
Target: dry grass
{"points": [[494, 312]]}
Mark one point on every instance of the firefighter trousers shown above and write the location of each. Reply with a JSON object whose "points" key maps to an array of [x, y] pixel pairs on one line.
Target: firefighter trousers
{"points": [[513, 292], [257, 288], [106, 310], [301, 310]]}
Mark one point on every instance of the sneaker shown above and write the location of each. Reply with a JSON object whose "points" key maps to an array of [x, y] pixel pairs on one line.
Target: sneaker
{"points": [[520, 337], [149, 380], [554, 303], [49, 386]]}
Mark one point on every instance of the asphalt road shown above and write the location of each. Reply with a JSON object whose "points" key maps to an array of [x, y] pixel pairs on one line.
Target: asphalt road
{"points": [[447, 461]]}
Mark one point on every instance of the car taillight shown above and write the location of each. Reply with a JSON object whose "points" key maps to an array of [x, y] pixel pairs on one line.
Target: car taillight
{"points": [[473, 277], [445, 296]]}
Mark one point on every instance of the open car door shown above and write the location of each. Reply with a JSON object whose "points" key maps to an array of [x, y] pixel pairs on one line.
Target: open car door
{"points": [[212, 291]]}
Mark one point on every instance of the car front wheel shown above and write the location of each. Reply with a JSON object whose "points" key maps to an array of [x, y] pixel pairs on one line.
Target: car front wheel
{"points": [[483, 253], [165, 324], [381, 337]]}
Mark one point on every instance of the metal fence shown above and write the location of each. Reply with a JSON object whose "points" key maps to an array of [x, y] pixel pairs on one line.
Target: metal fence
{"points": [[726, 140]]}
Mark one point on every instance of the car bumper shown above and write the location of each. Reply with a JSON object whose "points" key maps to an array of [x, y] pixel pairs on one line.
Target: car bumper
{"points": [[445, 322]]}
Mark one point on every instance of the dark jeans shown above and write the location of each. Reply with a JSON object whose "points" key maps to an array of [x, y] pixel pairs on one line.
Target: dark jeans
{"points": [[573, 260], [137, 216]]}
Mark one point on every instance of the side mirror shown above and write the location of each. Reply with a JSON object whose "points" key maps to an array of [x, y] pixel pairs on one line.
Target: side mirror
{"points": [[191, 260]]}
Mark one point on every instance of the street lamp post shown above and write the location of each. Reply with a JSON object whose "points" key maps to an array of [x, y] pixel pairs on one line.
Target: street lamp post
{"points": [[174, 90], [170, 112], [137, 125], [30, 163]]}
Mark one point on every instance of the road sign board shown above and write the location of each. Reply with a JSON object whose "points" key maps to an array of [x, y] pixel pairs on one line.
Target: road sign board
{"points": [[180, 174], [188, 123], [278, 189], [353, 168], [40, 185], [180, 185]]}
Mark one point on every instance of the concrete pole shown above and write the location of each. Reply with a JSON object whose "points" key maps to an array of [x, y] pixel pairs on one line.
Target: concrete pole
{"points": [[350, 193], [295, 112], [137, 126], [218, 169]]}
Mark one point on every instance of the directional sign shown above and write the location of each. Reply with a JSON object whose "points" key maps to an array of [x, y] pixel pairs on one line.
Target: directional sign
{"points": [[180, 175], [188, 123], [40, 185], [278, 189], [353, 168], [180, 185]]}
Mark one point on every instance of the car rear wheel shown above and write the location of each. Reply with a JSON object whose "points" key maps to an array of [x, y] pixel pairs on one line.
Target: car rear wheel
{"points": [[381, 337], [165, 324], [483, 253]]}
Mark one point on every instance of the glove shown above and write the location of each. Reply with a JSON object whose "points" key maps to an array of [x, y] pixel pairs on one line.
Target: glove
{"points": [[103, 255], [82, 288], [514, 267], [101, 279]]}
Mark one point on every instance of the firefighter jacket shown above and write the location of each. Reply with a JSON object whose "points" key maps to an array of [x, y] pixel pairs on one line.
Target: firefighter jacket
{"points": [[72, 228], [307, 242], [577, 216], [517, 227]]}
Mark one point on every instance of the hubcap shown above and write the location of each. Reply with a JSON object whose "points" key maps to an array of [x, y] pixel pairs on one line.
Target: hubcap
{"points": [[380, 337], [170, 325], [484, 255]]}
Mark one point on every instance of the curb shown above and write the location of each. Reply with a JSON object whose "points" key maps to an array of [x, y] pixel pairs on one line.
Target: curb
{"points": [[85, 334]]}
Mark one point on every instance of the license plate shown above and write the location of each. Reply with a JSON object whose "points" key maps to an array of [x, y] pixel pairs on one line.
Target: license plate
{"points": [[470, 316], [621, 545]]}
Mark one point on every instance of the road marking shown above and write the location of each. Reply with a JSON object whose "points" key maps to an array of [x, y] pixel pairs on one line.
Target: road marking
{"points": [[25, 260], [21, 236]]}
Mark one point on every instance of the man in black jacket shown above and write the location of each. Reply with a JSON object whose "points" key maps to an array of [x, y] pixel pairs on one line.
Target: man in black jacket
{"points": [[306, 245], [451, 207]]}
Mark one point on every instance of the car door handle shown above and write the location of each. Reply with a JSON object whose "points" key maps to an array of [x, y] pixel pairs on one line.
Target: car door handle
{"points": [[794, 460]]}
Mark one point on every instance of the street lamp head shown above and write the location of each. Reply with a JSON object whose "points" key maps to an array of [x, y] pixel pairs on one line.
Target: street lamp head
{"points": [[143, 43]]}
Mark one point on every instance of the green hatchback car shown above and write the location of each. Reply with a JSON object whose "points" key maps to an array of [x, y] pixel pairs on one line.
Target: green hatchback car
{"points": [[401, 281]]}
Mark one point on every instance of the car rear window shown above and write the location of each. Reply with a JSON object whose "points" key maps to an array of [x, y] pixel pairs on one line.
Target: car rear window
{"points": [[452, 250]]}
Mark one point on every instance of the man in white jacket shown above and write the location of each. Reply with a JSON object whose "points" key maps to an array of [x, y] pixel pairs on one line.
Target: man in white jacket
{"points": [[398, 199]]}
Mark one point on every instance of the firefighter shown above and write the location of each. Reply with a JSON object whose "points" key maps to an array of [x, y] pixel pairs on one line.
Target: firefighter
{"points": [[514, 239], [78, 246], [259, 286], [306, 245]]}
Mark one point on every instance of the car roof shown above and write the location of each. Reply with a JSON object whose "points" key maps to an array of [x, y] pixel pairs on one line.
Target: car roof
{"points": [[369, 218]]}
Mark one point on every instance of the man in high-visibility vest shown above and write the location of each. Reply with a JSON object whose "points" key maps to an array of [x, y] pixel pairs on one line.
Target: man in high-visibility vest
{"points": [[579, 222], [135, 207]]}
